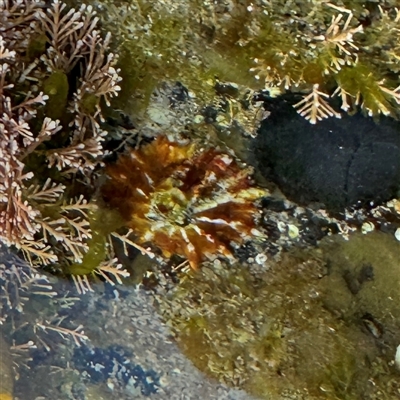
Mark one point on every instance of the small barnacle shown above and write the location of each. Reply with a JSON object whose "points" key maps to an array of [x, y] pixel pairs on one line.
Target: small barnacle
{"points": [[397, 234], [367, 227], [188, 202]]}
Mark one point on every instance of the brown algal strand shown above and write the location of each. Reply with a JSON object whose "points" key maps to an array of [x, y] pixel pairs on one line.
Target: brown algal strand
{"points": [[188, 202]]}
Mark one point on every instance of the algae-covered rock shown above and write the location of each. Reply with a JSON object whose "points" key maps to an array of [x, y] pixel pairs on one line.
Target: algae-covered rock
{"points": [[314, 48], [296, 331], [363, 284]]}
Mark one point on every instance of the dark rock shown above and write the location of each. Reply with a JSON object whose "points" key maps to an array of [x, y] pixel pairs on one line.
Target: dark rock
{"points": [[366, 273], [179, 94], [274, 204], [210, 114], [226, 89], [114, 361], [245, 251], [313, 228], [338, 162]]}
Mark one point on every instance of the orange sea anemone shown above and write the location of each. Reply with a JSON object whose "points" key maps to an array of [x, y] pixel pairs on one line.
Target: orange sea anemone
{"points": [[188, 202]]}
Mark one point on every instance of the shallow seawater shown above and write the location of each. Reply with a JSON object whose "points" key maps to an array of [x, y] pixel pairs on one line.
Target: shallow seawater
{"points": [[318, 324], [128, 354], [321, 322]]}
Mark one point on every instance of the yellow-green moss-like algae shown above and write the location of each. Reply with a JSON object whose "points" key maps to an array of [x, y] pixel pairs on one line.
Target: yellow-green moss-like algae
{"points": [[294, 43], [295, 330], [102, 222], [56, 87]]}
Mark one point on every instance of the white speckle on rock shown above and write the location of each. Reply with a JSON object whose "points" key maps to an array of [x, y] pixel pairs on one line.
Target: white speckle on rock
{"points": [[198, 119], [293, 231], [397, 357], [261, 259], [367, 227]]}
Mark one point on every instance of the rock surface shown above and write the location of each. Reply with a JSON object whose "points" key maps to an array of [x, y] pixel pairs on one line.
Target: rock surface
{"points": [[339, 162]]}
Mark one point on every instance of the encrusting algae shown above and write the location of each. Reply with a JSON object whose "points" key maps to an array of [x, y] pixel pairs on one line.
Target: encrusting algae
{"points": [[297, 330], [187, 202]]}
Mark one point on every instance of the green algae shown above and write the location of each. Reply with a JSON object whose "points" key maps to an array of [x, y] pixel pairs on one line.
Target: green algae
{"points": [[56, 87], [297, 330], [36, 47], [102, 223], [292, 45], [89, 103], [377, 295]]}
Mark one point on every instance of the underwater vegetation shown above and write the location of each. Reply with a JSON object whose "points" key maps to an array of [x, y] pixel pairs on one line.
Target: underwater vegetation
{"points": [[57, 78], [186, 201], [56, 74], [299, 329], [347, 51]]}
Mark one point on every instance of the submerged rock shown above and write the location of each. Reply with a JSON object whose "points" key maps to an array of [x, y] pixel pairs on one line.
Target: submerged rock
{"points": [[319, 324], [338, 162], [362, 284]]}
